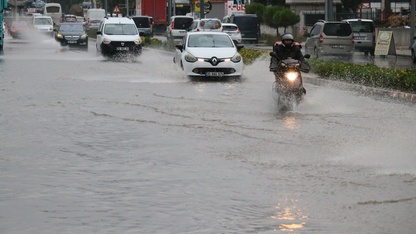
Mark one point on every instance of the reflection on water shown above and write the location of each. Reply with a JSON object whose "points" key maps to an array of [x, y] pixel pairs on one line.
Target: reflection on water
{"points": [[290, 218], [290, 122]]}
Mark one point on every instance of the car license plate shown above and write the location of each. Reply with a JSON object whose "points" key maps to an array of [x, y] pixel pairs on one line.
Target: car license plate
{"points": [[338, 46], [182, 32], [72, 42], [122, 48], [360, 38], [216, 74]]}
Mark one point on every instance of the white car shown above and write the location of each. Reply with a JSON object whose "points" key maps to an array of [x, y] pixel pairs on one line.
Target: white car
{"points": [[233, 31], [118, 35], [209, 54]]}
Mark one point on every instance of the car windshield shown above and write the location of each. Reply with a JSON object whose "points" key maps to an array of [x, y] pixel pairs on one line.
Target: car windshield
{"points": [[120, 29], [43, 21], [362, 26], [210, 40], [337, 29], [71, 27], [210, 24]]}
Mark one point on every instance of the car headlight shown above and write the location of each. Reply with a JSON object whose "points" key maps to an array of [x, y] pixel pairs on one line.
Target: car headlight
{"points": [[291, 76], [236, 58], [84, 36], [137, 42], [106, 41], [59, 36], [190, 58]]}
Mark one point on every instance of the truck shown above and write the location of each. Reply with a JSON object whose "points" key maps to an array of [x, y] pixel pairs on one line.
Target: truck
{"points": [[154, 8], [94, 14], [3, 6]]}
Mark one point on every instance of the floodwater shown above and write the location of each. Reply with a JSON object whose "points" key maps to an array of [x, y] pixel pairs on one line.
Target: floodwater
{"points": [[89, 145]]}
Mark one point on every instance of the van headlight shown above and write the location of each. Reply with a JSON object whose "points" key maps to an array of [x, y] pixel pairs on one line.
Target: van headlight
{"points": [[106, 41], [236, 58], [137, 42]]}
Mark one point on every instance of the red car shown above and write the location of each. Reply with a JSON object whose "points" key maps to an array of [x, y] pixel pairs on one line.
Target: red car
{"points": [[19, 29]]}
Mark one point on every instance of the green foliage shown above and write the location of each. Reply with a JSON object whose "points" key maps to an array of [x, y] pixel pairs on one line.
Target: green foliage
{"points": [[368, 74], [250, 55], [268, 14], [256, 8], [286, 18]]}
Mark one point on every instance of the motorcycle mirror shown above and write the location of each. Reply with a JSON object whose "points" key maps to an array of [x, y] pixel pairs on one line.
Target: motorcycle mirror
{"points": [[272, 54], [307, 56]]}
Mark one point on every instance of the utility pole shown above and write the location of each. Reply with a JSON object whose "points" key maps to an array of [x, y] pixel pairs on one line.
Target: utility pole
{"points": [[412, 22], [201, 9], [127, 8], [329, 10]]}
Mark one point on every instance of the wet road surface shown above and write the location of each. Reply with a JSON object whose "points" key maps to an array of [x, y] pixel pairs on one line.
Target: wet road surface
{"points": [[90, 145]]}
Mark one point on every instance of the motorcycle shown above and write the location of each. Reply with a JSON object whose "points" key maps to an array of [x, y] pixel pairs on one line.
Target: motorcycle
{"points": [[288, 83]]}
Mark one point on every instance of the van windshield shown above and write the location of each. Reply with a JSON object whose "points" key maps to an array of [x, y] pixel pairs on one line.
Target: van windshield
{"points": [[245, 23], [141, 22], [362, 26], [183, 23], [120, 29], [337, 29]]}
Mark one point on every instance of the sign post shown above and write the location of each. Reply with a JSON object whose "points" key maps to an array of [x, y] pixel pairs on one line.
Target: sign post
{"points": [[385, 44]]}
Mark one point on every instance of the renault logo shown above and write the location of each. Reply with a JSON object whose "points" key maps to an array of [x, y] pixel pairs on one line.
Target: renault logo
{"points": [[214, 61]]}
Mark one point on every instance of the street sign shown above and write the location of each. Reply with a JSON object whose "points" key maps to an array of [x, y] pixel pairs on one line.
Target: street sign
{"points": [[385, 44], [116, 10]]}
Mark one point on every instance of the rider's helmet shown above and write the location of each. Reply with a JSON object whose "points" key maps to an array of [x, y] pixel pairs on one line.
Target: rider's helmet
{"points": [[287, 40]]}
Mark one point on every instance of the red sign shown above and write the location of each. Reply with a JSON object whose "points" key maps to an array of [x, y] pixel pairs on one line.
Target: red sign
{"points": [[116, 10]]}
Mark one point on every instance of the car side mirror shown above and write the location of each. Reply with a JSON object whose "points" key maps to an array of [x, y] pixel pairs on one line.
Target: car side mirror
{"points": [[99, 33], [179, 47], [239, 47]]}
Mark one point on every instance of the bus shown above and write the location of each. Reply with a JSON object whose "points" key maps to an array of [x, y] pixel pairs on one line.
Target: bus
{"points": [[54, 10]]}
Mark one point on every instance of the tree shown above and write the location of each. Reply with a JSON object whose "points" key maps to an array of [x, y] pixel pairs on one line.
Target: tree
{"points": [[285, 18], [256, 8], [351, 5]]}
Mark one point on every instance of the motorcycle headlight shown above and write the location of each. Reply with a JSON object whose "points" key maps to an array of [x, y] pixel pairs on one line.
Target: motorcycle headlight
{"points": [[190, 58], [291, 76], [236, 58], [106, 41]]}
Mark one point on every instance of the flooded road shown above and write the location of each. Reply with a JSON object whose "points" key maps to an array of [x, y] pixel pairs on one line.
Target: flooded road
{"points": [[89, 145]]}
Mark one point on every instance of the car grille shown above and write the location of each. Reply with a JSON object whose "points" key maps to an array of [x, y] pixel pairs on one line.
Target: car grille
{"points": [[123, 44], [71, 38], [205, 70]]}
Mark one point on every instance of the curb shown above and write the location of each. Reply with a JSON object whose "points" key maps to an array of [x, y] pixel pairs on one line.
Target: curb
{"points": [[385, 93]]}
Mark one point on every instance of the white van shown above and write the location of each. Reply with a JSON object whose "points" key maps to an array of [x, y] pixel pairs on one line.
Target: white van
{"points": [[94, 14], [43, 24]]}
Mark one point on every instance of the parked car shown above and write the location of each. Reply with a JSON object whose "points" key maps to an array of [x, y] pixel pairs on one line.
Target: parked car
{"points": [[364, 35], [72, 34], [330, 38], [43, 24], [144, 24], [207, 24], [118, 35], [233, 31], [209, 54], [178, 27]]}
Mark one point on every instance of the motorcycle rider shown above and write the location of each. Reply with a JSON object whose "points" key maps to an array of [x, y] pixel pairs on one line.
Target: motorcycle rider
{"points": [[285, 49]]}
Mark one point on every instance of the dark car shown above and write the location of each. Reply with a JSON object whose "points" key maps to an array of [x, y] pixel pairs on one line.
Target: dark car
{"points": [[144, 24], [72, 34]]}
